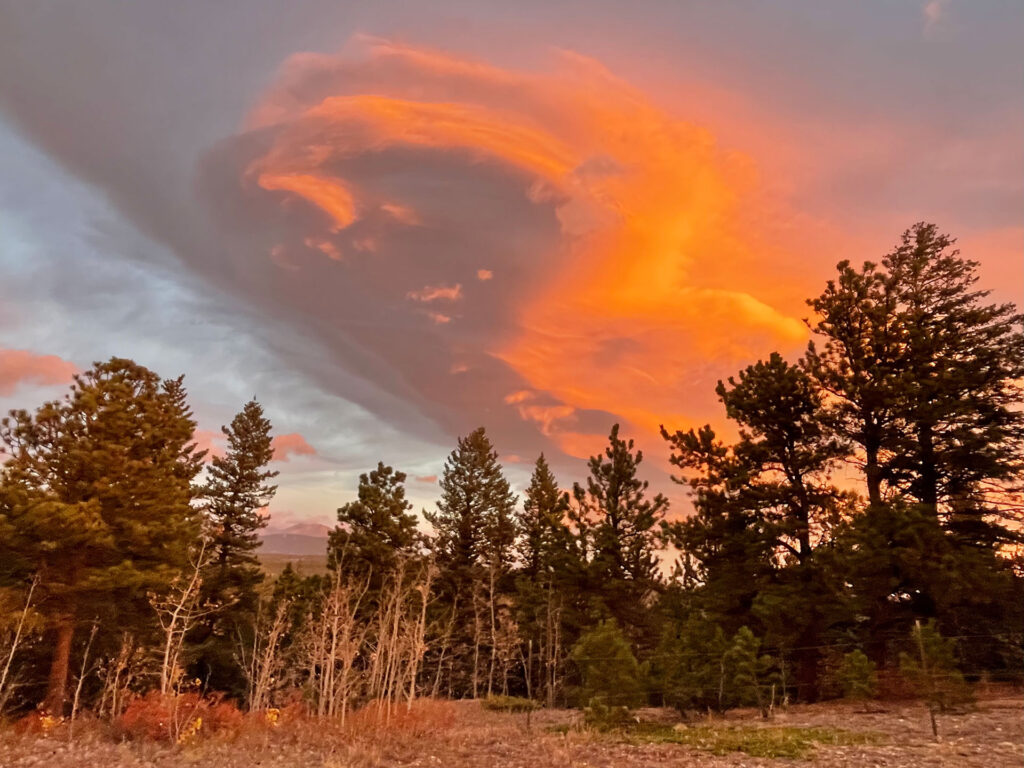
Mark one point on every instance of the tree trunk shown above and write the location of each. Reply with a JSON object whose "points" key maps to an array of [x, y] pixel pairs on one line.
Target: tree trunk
{"points": [[872, 472], [56, 690]]}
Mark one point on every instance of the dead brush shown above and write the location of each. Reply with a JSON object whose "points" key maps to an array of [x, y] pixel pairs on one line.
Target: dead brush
{"points": [[421, 717]]}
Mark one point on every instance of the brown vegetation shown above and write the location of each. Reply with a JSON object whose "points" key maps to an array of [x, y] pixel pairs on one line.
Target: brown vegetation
{"points": [[466, 735]]}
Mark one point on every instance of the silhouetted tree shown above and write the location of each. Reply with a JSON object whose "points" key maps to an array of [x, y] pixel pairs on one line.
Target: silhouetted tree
{"points": [[375, 530], [237, 490], [619, 525], [474, 533]]}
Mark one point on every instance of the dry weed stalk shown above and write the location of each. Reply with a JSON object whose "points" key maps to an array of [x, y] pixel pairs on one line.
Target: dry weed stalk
{"points": [[14, 642]]}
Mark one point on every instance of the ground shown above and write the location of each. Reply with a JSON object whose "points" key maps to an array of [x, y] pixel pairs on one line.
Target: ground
{"points": [[465, 735]]}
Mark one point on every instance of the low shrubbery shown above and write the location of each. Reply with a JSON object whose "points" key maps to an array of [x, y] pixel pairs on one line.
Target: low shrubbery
{"points": [[510, 704]]}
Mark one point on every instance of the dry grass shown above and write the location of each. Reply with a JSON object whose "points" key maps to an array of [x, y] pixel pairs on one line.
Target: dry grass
{"points": [[467, 735]]}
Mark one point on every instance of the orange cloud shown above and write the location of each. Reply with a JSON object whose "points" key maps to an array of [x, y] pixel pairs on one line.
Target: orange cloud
{"points": [[665, 272], [436, 292], [292, 444], [19, 366], [401, 213], [330, 195], [210, 441], [428, 479]]}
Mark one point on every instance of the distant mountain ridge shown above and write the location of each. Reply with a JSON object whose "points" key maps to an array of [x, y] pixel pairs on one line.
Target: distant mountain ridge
{"points": [[297, 539]]}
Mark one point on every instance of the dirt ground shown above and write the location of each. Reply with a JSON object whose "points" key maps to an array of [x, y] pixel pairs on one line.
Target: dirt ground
{"points": [[464, 735]]}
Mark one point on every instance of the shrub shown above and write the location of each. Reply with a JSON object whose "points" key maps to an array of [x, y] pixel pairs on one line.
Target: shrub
{"points": [[929, 665], [857, 676], [691, 669], [610, 672], [510, 704], [179, 718], [752, 673], [606, 717]]}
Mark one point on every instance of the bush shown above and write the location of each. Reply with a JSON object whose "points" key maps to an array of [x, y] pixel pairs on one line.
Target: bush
{"points": [[753, 676], [610, 672], [857, 676], [510, 704], [178, 718], [606, 717], [690, 667], [929, 665]]}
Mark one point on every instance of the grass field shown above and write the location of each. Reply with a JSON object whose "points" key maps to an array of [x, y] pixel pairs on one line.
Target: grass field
{"points": [[465, 734]]}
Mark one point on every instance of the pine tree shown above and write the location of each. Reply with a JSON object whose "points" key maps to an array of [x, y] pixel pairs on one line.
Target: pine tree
{"points": [[236, 493], [238, 489], [857, 675], [609, 671], [753, 677], [473, 523], [548, 579], [960, 451], [771, 494], [926, 378], [375, 530], [474, 533], [693, 667], [96, 498], [620, 526]]}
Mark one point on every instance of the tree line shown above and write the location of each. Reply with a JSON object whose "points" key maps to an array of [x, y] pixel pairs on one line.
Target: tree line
{"points": [[128, 563]]}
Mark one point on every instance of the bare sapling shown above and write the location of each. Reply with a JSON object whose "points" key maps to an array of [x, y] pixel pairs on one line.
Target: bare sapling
{"points": [[265, 660], [178, 611], [119, 673], [14, 642], [85, 670]]}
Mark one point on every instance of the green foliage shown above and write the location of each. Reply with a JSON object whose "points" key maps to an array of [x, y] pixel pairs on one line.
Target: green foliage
{"points": [[692, 667], [237, 490], [618, 525], [96, 498], [509, 704], [609, 671], [753, 675], [473, 524], [474, 533], [602, 716], [929, 664], [857, 676], [374, 530], [949, 441]]}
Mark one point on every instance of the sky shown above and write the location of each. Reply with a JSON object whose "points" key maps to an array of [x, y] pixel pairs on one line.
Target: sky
{"points": [[393, 222]]}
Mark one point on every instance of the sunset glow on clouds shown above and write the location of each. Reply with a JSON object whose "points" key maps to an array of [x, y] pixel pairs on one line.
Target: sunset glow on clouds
{"points": [[393, 224], [631, 207], [21, 367]]}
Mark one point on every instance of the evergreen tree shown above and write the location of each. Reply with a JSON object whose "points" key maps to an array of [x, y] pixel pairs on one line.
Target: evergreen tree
{"points": [[474, 533], [96, 498], [926, 378], [753, 677], [693, 667], [858, 677], [771, 496], [609, 671], [960, 451], [548, 580], [929, 664], [619, 525], [237, 490], [474, 521], [375, 530]]}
